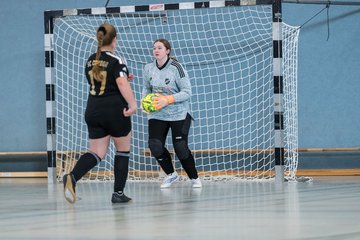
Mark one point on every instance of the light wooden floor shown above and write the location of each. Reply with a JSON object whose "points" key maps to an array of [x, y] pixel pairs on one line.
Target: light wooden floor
{"points": [[327, 208]]}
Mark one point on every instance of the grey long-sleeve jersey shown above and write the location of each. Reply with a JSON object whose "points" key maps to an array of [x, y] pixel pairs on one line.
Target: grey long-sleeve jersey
{"points": [[171, 79]]}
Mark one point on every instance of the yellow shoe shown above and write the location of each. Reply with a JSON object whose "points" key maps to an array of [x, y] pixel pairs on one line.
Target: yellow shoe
{"points": [[69, 188]]}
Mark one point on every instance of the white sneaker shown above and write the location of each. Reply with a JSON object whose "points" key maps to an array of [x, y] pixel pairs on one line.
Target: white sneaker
{"points": [[196, 183], [169, 179]]}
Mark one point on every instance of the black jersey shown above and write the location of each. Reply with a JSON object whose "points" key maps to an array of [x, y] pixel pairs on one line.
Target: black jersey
{"points": [[105, 105], [112, 67]]}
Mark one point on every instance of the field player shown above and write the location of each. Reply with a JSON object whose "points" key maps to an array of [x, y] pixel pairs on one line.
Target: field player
{"points": [[110, 104], [169, 80]]}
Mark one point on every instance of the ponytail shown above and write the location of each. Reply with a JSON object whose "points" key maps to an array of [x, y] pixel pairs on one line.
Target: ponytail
{"points": [[96, 68], [104, 35]]}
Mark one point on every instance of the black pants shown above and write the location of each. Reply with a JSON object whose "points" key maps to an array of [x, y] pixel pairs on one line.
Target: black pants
{"points": [[158, 131]]}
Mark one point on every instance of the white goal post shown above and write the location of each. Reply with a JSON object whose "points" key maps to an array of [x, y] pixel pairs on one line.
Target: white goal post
{"points": [[242, 62]]}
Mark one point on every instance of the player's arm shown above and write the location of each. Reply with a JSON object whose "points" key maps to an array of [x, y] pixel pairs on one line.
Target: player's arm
{"points": [[126, 91], [130, 76], [122, 74]]}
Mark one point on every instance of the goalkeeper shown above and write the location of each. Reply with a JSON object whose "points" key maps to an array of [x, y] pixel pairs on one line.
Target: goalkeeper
{"points": [[170, 82], [110, 104]]}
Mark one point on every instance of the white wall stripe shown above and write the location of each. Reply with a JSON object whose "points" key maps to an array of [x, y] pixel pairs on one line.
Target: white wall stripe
{"points": [[70, 12], [186, 5], [50, 109], [279, 138], [278, 103], [247, 2], [277, 33], [99, 10], [48, 76], [277, 66], [157, 7], [127, 9], [217, 4], [48, 42], [50, 142]]}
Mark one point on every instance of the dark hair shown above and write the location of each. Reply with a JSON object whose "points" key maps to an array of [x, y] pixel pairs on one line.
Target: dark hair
{"points": [[167, 46], [105, 34]]}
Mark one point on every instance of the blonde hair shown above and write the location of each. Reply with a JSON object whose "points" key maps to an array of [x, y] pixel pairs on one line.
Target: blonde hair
{"points": [[105, 34]]}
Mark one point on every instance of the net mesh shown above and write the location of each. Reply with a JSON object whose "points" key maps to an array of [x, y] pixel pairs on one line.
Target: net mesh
{"points": [[228, 55]]}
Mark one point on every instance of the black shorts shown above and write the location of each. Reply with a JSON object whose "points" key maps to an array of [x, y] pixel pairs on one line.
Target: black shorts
{"points": [[104, 116], [159, 129]]}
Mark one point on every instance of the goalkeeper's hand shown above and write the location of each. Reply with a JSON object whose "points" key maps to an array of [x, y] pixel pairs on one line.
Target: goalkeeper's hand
{"points": [[161, 101]]}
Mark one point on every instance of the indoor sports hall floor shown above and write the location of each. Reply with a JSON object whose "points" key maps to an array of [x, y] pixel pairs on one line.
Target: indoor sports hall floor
{"points": [[326, 208]]}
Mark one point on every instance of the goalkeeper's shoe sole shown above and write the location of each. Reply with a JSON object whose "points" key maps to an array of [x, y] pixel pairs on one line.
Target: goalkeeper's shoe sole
{"points": [[69, 188]]}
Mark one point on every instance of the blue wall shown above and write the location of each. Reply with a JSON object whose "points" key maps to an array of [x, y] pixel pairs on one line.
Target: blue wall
{"points": [[329, 72]]}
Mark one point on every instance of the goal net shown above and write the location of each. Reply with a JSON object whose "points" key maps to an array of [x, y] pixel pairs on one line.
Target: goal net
{"points": [[228, 53]]}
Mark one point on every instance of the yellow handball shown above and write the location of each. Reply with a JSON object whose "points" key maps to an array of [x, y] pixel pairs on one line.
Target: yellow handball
{"points": [[147, 103]]}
